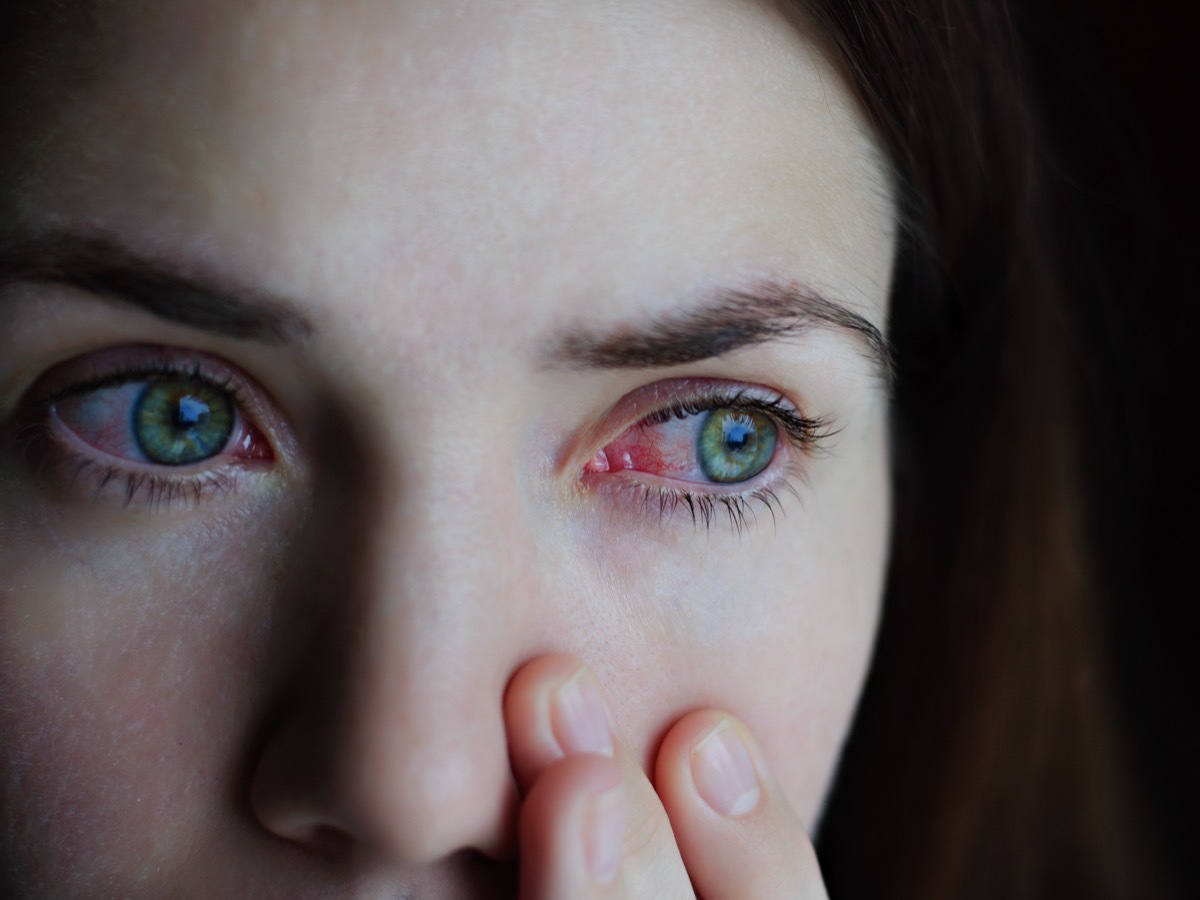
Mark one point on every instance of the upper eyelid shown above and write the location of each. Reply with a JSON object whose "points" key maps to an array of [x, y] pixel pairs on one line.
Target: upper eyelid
{"points": [[100, 383], [803, 430], [123, 364]]}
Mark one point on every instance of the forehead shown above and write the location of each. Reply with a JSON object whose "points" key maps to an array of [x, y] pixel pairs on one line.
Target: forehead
{"points": [[471, 150]]}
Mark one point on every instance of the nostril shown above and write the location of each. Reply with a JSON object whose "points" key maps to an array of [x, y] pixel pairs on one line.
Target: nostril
{"points": [[289, 797], [306, 827], [327, 840], [390, 795], [317, 838]]}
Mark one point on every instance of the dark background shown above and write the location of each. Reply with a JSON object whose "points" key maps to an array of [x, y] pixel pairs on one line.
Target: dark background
{"points": [[1118, 87]]}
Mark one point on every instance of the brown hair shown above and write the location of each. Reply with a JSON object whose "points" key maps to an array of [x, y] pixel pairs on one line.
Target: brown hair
{"points": [[984, 760]]}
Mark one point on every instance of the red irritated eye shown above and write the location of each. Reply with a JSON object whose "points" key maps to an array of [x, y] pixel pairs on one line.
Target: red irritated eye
{"points": [[165, 422], [724, 445], [704, 445]]}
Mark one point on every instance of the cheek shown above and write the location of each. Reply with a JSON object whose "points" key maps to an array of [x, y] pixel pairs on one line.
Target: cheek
{"points": [[775, 625], [125, 669]]}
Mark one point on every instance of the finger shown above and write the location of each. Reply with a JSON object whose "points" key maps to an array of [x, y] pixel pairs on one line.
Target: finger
{"points": [[554, 707], [572, 830], [737, 833], [555, 714]]}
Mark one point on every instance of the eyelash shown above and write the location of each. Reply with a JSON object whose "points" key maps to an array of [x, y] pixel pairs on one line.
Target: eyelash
{"points": [[705, 507], [807, 435], [803, 431], [155, 488]]}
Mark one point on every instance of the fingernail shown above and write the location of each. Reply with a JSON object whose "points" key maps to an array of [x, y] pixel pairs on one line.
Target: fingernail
{"points": [[605, 835], [578, 717], [723, 772]]}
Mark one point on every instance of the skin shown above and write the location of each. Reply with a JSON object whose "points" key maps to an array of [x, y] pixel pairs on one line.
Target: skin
{"points": [[353, 674]]}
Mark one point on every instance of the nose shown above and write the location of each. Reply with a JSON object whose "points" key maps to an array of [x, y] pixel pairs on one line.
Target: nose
{"points": [[390, 738]]}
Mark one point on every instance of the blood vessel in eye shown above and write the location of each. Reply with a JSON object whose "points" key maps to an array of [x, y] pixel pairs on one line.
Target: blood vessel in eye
{"points": [[638, 450]]}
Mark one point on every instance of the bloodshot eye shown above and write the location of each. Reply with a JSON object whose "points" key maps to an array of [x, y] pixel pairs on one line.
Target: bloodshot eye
{"points": [[720, 439], [148, 426], [160, 420], [706, 447]]}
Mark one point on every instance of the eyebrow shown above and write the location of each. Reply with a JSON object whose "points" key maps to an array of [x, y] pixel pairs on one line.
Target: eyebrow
{"points": [[112, 271], [731, 320]]}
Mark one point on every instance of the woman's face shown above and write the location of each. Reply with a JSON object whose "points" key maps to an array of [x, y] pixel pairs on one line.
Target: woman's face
{"points": [[354, 355]]}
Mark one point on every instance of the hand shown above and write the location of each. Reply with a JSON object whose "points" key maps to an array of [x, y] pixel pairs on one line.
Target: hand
{"points": [[592, 825]]}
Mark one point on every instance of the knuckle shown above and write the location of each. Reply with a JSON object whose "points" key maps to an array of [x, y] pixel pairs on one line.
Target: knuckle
{"points": [[648, 832]]}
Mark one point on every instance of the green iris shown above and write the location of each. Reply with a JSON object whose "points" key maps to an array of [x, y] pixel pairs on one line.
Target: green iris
{"points": [[180, 422], [735, 444]]}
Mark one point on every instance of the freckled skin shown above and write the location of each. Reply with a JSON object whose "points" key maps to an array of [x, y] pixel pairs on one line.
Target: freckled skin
{"points": [[441, 190]]}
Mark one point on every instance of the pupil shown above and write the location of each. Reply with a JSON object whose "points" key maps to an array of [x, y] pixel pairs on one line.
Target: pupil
{"points": [[737, 435], [189, 413]]}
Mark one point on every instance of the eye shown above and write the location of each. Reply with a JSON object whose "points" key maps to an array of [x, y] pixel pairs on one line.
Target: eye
{"points": [[706, 445], [172, 422], [166, 423], [724, 445]]}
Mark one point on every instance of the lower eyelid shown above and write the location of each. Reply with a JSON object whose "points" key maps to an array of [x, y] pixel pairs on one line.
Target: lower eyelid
{"points": [[657, 500], [72, 475]]}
